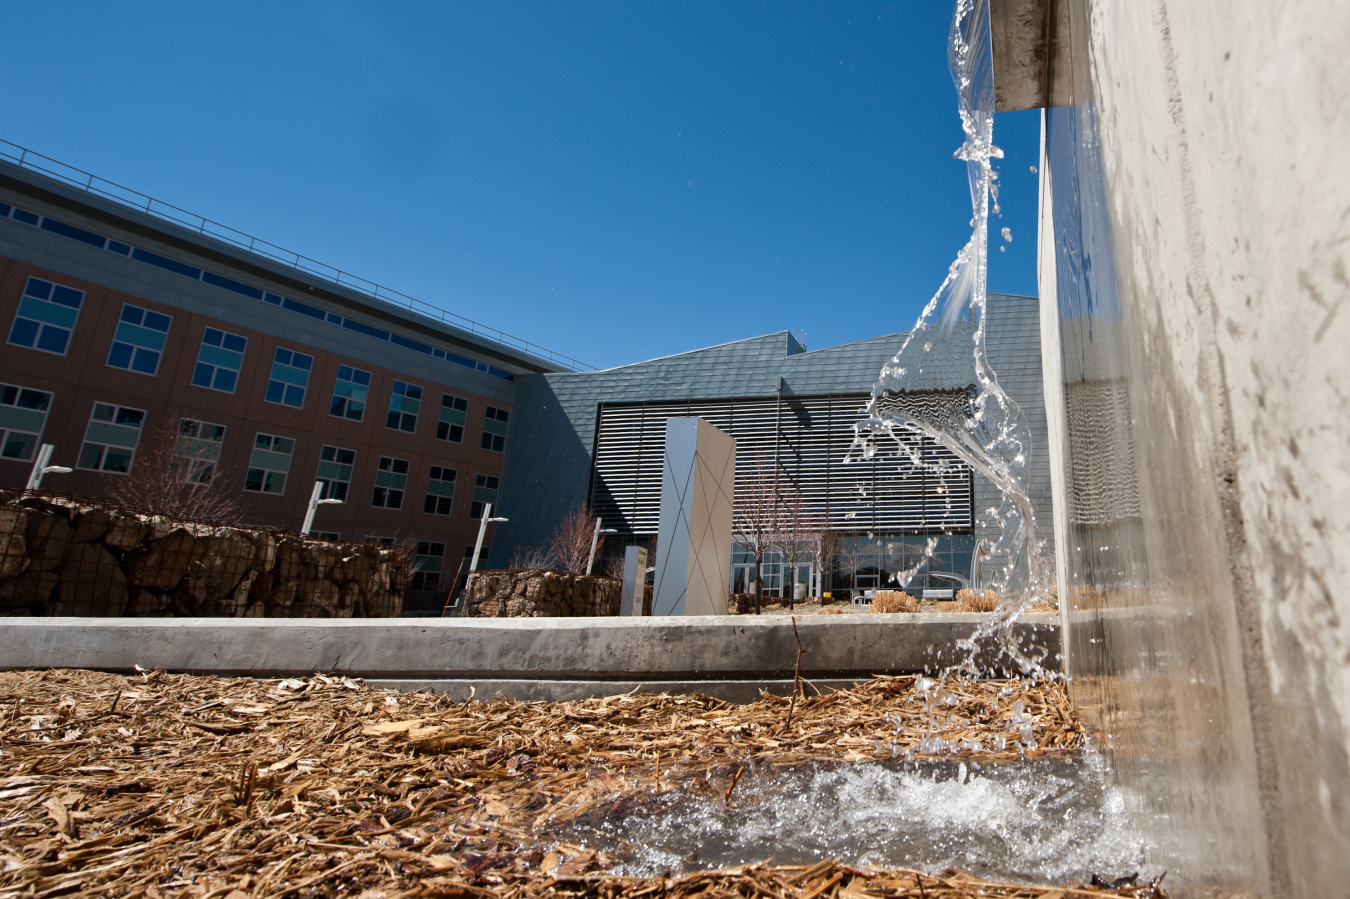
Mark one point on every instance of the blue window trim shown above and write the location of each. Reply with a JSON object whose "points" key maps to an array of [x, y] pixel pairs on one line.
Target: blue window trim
{"points": [[191, 271]]}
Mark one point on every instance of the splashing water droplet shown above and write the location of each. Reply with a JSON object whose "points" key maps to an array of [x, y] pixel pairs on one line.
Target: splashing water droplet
{"points": [[1007, 234]]}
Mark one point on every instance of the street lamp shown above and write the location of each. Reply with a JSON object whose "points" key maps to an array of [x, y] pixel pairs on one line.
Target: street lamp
{"points": [[314, 503], [482, 529], [40, 467], [595, 539]]}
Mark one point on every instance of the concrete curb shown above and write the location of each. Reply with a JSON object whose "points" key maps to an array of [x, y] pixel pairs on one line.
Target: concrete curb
{"points": [[623, 651]]}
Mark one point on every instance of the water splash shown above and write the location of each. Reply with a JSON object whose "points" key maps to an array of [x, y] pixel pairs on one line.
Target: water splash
{"points": [[1046, 821], [994, 438]]}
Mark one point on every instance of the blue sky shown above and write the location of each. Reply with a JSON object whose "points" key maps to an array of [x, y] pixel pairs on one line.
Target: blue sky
{"points": [[615, 181]]}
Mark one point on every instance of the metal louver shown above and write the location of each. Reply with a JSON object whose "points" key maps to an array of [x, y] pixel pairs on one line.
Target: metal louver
{"points": [[888, 494]]}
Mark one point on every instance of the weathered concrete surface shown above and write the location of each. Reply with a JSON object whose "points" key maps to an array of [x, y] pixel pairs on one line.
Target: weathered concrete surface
{"points": [[1202, 212], [461, 689], [683, 649]]}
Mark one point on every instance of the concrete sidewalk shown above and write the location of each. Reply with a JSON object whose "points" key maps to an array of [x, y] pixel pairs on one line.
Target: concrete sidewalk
{"points": [[527, 658]]}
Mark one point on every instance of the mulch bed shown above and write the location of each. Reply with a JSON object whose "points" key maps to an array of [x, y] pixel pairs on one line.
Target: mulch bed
{"points": [[164, 785]]}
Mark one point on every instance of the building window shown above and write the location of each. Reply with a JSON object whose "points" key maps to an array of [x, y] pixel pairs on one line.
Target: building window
{"points": [[23, 415], [199, 444], [219, 360], [382, 541], [46, 316], [139, 340], [332, 536], [484, 492], [440, 491], [269, 463], [468, 557], [454, 412], [428, 562], [335, 472], [494, 429], [404, 404], [350, 392], [111, 438], [290, 378], [391, 480]]}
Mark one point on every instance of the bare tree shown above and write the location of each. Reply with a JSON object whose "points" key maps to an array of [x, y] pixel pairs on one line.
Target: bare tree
{"points": [[570, 545], [176, 472], [529, 558], [852, 556], [757, 518], [796, 534], [825, 546]]}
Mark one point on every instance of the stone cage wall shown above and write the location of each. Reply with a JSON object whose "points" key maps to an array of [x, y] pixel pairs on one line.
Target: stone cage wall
{"points": [[64, 555], [539, 593]]}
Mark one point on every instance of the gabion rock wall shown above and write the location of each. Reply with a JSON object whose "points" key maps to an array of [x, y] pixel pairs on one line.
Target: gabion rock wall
{"points": [[64, 556], [540, 594]]}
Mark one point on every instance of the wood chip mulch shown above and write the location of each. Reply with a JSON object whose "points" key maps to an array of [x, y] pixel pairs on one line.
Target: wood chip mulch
{"points": [[163, 785]]}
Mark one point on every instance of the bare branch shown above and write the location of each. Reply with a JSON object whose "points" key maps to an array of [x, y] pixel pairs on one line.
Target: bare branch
{"points": [[570, 545], [177, 472]]}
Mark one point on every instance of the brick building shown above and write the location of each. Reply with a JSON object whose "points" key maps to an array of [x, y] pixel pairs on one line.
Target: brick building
{"points": [[117, 322]]}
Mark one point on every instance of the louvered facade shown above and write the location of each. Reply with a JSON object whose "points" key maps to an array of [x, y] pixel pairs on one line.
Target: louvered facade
{"points": [[809, 438]]}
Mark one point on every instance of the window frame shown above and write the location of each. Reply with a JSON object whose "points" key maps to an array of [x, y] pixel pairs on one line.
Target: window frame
{"points": [[5, 431], [383, 492], [284, 385], [327, 492], [100, 465], [475, 504], [394, 395], [136, 347], [491, 440], [285, 475], [346, 400], [53, 286], [434, 499], [449, 426], [215, 366], [207, 473]]}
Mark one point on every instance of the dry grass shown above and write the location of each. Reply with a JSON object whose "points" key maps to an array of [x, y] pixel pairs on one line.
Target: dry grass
{"points": [[885, 601], [977, 600], [166, 785]]}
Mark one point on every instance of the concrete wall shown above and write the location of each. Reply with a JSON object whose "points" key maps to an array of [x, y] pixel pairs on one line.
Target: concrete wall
{"points": [[1202, 226]]}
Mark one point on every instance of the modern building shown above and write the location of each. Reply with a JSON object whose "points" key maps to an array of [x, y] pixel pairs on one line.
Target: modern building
{"points": [[271, 370], [127, 320], [597, 438]]}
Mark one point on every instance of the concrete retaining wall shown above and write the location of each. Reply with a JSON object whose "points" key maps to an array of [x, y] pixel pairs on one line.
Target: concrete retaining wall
{"points": [[591, 654]]}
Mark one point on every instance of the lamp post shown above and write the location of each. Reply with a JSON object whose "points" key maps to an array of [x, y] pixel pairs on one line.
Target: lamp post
{"points": [[595, 540], [40, 467], [314, 503], [482, 529]]}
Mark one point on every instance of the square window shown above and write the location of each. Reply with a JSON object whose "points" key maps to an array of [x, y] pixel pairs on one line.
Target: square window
{"points": [[289, 379], [454, 413], [391, 481], [46, 316], [405, 401], [111, 438], [269, 464], [440, 496], [335, 472], [350, 392], [197, 447], [139, 340], [219, 360], [23, 416], [428, 564], [484, 493]]}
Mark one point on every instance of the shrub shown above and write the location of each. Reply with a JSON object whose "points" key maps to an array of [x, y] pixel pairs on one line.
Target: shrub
{"points": [[977, 600], [885, 601]]}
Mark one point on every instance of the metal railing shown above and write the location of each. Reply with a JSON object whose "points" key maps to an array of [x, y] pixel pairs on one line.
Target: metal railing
{"points": [[54, 168]]}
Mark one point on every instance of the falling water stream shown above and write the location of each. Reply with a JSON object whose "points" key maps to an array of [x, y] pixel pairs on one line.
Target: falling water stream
{"points": [[1036, 820], [993, 438]]}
